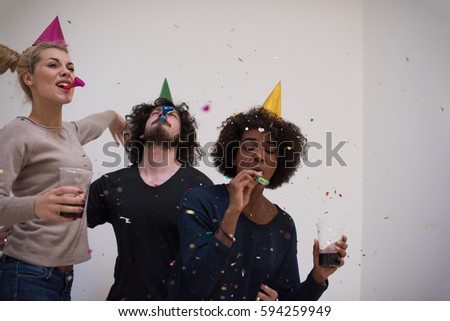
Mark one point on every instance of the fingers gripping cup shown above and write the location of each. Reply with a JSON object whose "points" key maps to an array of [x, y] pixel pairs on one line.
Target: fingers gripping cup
{"points": [[328, 233], [76, 177]]}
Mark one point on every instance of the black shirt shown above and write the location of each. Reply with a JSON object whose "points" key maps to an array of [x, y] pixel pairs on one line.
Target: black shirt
{"points": [[145, 223]]}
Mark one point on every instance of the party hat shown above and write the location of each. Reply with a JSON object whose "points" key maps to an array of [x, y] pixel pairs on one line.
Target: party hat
{"points": [[273, 102], [52, 34], [165, 91]]}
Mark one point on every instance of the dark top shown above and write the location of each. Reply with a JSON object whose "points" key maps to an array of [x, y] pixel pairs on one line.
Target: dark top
{"points": [[262, 254], [144, 220]]}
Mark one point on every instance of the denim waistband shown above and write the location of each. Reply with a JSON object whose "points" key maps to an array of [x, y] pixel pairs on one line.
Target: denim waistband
{"points": [[64, 269]]}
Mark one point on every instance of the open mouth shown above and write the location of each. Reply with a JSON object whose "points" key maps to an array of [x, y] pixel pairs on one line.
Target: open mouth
{"points": [[62, 85], [258, 169]]}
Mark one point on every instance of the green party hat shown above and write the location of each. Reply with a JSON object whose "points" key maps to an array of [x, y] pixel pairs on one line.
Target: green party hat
{"points": [[165, 91]]}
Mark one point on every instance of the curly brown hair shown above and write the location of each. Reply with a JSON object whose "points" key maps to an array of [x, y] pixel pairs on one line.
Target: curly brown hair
{"points": [[189, 150], [290, 143]]}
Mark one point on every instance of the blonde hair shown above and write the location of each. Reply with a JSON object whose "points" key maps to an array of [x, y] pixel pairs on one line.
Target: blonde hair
{"points": [[25, 62]]}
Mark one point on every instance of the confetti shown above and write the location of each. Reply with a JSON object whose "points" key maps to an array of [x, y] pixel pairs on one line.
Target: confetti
{"points": [[1, 170], [205, 108], [327, 193], [90, 251], [261, 130], [191, 246], [240, 59], [190, 212], [127, 220]]}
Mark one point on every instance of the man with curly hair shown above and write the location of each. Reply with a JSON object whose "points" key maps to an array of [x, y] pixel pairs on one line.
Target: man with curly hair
{"points": [[235, 243], [141, 201]]}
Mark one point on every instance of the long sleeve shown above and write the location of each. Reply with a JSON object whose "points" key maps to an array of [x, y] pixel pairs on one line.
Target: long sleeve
{"points": [[287, 280], [30, 167], [92, 126], [13, 158], [203, 256]]}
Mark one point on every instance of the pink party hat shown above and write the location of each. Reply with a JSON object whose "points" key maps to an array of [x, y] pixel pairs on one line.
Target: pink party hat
{"points": [[52, 34]]}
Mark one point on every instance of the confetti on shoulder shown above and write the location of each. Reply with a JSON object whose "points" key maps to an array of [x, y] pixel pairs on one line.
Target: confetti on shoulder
{"points": [[127, 220]]}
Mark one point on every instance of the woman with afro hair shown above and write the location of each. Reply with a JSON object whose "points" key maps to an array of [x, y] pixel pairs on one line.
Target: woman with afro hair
{"points": [[235, 243]]}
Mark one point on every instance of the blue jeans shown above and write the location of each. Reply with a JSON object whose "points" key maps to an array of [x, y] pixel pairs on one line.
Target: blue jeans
{"points": [[21, 281]]}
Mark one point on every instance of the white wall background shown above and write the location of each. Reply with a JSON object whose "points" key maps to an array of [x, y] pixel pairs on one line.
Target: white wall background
{"points": [[406, 150], [343, 69]]}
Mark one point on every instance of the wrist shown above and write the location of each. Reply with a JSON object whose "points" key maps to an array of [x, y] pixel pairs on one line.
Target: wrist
{"points": [[318, 278]]}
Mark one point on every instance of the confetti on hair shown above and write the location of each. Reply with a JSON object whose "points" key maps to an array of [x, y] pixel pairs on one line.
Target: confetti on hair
{"points": [[261, 130], [172, 263]]}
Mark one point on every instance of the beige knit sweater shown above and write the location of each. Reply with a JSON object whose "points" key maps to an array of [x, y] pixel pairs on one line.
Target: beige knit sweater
{"points": [[30, 158]]}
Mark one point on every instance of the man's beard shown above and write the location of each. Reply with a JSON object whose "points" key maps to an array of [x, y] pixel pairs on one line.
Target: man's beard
{"points": [[159, 135]]}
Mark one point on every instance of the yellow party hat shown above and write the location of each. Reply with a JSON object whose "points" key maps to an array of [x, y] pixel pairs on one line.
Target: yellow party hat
{"points": [[273, 102]]}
